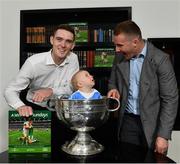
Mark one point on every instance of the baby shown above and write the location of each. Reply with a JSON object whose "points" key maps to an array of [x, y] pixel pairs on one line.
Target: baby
{"points": [[83, 83]]}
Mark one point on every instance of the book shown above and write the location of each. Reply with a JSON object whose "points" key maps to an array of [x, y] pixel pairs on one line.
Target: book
{"points": [[81, 31], [30, 134], [104, 57], [35, 34]]}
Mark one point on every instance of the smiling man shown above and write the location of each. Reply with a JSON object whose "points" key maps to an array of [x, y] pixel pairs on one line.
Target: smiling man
{"points": [[143, 79], [45, 74]]}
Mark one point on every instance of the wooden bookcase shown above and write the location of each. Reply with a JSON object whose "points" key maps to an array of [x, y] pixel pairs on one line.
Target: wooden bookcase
{"points": [[36, 26]]}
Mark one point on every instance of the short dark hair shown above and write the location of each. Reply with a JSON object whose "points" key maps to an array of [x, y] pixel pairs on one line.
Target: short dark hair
{"points": [[64, 27], [128, 27], [74, 79]]}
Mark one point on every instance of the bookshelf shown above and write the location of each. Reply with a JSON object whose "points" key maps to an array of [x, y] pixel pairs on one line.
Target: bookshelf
{"points": [[94, 33]]}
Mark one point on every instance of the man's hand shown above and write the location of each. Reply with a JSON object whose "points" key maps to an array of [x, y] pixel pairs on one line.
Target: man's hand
{"points": [[42, 94], [113, 93], [25, 111], [161, 145]]}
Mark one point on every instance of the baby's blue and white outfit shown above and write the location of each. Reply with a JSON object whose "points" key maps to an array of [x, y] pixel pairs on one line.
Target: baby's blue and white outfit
{"points": [[78, 95]]}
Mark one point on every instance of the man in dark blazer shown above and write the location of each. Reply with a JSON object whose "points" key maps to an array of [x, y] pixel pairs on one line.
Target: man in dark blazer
{"points": [[143, 79]]}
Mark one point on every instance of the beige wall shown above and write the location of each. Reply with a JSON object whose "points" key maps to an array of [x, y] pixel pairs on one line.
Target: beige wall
{"points": [[157, 18]]}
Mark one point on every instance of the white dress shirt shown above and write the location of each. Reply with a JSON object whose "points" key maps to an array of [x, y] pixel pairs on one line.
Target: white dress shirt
{"points": [[39, 71]]}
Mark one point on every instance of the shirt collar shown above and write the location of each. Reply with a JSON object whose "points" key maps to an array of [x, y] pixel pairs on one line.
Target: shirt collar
{"points": [[50, 61], [144, 50]]}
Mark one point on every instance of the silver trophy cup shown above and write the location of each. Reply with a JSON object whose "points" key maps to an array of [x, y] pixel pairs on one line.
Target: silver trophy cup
{"points": [[84, 116]]}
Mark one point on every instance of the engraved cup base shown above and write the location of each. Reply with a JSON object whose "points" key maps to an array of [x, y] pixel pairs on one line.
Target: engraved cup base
{"points": [[82, 144]]}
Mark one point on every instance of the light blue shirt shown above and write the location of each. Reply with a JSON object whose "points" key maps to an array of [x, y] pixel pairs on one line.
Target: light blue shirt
{"points": [[135, 72]]}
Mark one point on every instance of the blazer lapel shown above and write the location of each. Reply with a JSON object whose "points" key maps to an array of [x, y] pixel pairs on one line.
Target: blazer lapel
{"points": [[145, 79], [124, 69]]}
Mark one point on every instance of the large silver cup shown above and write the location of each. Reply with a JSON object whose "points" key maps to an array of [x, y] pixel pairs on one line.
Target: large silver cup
{"points": [[84, 116]]}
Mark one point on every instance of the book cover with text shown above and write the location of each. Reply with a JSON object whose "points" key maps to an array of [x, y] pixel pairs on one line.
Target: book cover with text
{"points": [[30, 134]]}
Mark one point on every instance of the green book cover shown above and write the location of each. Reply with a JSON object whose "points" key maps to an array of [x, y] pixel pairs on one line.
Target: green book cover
{"points": [[104, 57], [30, 134], [81, 31]]}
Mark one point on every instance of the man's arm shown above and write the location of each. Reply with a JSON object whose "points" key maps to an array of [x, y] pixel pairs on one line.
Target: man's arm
{"points": [[19, 83], [42, 94], [169, 104]]}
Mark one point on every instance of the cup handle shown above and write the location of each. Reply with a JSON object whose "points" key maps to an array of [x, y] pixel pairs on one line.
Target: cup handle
{"points": [[118, 102], [51, 104]]}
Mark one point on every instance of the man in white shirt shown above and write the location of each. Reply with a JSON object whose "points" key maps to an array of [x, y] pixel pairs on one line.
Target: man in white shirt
{"points": [[45, 74]]}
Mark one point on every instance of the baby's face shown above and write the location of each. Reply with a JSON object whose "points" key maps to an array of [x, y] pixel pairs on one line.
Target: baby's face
{"points": [[86, 79]]}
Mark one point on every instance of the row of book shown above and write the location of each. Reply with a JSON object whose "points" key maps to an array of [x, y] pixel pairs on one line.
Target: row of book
{"points": [[101, 35], [35, 35], [83, 34], [101, 57]]}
